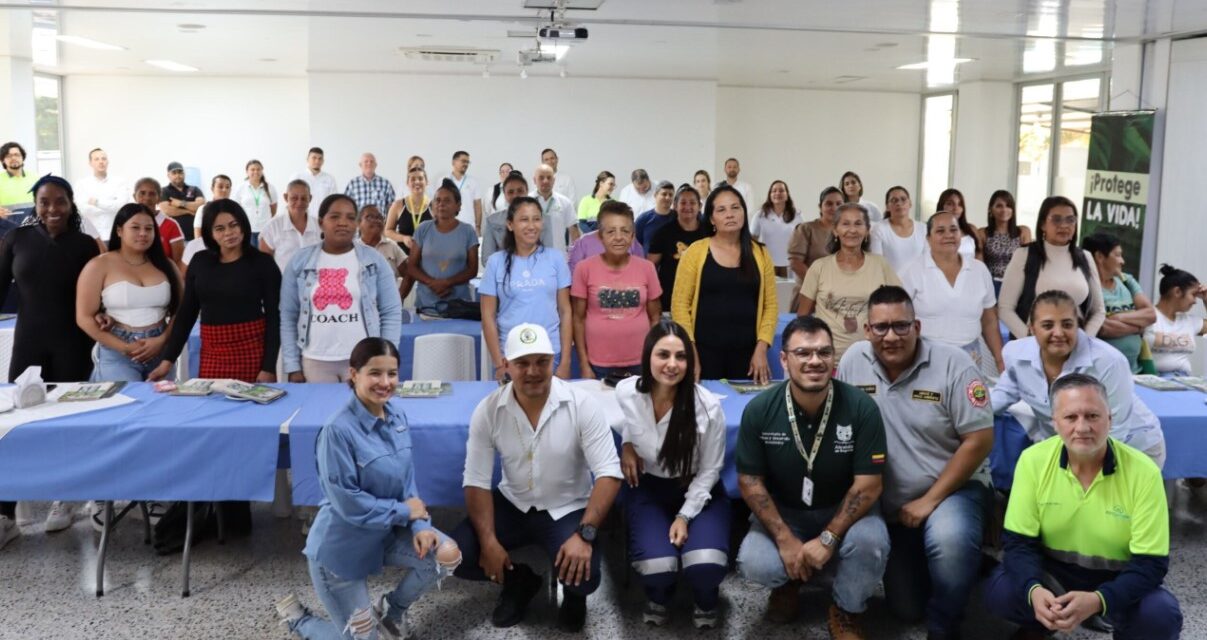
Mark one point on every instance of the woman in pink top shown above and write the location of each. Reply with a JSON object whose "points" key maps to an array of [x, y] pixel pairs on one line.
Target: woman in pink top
{"points": [[616, 297]]}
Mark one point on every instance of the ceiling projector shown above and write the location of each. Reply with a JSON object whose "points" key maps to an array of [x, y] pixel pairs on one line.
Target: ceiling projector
{"points": [[562, 33]]}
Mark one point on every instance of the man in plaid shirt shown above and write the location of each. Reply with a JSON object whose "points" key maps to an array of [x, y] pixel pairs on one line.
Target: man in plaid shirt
{"points": [[369, 188]]}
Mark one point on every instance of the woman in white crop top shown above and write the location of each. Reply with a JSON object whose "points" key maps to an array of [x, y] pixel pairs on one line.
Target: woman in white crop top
{"points": [[126, 296]]}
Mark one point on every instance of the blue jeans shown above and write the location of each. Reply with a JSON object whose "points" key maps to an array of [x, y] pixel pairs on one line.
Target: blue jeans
{"points": [[343, 597], [587, 226], [650, 509], [1156, 616], [932, 568], [515, 529], [857, 567], [112, 366]]}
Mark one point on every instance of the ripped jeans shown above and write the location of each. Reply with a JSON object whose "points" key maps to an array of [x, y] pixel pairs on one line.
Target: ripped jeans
{"points": [[347, 599]]}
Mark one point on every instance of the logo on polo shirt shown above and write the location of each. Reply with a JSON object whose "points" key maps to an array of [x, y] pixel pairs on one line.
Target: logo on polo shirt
{"points": [[978, 395], [844, 433], [1117, 511], [869, 389], [527, 336], [927, 396]]}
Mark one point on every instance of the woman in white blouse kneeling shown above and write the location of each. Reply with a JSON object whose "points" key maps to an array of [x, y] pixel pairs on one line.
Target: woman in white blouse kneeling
{"points": [[674, 446]]}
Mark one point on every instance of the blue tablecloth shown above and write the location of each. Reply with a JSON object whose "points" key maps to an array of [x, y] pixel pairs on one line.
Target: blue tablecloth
{"points": [[159, 447], [406, 343]]}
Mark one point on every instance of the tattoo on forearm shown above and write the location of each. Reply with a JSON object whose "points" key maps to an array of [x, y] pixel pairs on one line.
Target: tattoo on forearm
{"points": [[761, 504], [853, 504]]}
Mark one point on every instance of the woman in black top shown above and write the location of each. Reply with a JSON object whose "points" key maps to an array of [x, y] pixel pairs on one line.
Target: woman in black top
{"points": [[45, 259], [675, 237], [408, 211], [236, 290]]}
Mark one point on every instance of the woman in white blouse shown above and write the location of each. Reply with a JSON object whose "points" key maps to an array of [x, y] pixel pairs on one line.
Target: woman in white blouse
{"points": [[899, 238], [774, 224], [674, 448], [953, 294], [257, 197]]}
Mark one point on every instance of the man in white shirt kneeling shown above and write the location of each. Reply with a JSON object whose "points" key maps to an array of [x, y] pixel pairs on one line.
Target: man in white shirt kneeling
{"points": [[552, 438]]}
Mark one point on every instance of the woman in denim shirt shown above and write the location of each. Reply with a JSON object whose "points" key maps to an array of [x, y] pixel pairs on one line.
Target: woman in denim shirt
{"points": [[333, 294], [371, 514]]}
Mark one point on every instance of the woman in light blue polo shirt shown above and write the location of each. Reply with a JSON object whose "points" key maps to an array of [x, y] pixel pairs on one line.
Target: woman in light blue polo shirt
{"points": [[371, 514], [526, 282]]}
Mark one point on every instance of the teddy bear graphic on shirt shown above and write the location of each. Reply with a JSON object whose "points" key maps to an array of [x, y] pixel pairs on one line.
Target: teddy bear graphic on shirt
{"points": [[332, 290]]}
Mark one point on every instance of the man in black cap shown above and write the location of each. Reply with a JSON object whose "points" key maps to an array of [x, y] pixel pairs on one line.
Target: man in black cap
{"points": [[180, 201]]}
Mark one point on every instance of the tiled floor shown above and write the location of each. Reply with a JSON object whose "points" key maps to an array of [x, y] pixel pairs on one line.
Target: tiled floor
{"points": [[46, 591]]}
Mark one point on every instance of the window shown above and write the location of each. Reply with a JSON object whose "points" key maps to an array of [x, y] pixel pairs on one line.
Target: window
{"points": [[1053, 141], [938, 118], [48, 105]]}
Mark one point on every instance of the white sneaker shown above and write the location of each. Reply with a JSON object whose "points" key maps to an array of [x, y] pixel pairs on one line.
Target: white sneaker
{"points": [[290, 609], [654, 614], [388, 629], [60, 516], [702, 619], [8, 530], [25, 514]]}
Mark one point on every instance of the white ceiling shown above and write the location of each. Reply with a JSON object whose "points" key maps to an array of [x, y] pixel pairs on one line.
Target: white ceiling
{"points": [[852, 44]]}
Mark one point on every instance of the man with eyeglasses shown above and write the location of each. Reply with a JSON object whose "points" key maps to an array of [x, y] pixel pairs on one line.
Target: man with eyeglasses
{"points": [[939, 426], [810, 455]]}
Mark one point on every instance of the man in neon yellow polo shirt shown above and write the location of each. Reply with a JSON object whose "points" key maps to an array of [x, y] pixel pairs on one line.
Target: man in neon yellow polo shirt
{"points": [[1090, 512], [14, 184]]}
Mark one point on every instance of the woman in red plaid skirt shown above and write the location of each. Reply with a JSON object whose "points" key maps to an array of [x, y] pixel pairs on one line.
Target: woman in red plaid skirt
{"points": [[236, 290]]}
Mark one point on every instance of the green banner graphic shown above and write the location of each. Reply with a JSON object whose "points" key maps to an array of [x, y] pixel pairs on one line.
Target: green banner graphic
{"points": [[1116, 184]]}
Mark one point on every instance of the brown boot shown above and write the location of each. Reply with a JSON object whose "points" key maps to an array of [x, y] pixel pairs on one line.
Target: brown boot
{"points": [[784, 604], [843, 625]]}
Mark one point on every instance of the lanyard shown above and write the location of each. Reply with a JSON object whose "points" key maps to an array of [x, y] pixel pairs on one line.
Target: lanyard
{"points": [[548, 205], [412, 208], [255, 194], [821, 427]]}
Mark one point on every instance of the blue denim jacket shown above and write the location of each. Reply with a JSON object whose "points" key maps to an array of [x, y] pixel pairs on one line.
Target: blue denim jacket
{"points": [[380, 306], [365, 470]]}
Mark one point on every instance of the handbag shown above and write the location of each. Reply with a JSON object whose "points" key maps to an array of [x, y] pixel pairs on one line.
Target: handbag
{"points": [[455, 309]]}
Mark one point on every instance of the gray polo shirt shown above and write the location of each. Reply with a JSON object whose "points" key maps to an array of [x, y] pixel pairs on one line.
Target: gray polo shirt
{"points": [[926, 410]]}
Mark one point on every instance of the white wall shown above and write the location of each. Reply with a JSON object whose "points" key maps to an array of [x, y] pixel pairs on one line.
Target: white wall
{"points": [[809, 138], [670, 128], [214, 124], [664, 126], [1180, 215], [984, 142]]}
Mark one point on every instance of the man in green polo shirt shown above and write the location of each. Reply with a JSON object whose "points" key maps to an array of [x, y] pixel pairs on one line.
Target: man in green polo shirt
{"points": [[1090, 512], [810, 455], [14, 184]]}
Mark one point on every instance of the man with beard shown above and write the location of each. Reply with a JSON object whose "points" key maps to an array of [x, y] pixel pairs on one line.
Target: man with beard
{"points": [[936, 488], [810, 455], [551, 438], [14, 182], [181, 201]]}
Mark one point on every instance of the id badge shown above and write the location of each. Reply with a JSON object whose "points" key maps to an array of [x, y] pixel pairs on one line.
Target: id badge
{"points": [[806, 491]]}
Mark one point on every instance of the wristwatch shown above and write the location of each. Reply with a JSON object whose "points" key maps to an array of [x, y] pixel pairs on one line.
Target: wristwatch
{"points": [[829, 540], [587, 531]]}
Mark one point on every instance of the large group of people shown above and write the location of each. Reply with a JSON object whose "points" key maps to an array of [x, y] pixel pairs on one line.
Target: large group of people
{"points": [[868, 462]]}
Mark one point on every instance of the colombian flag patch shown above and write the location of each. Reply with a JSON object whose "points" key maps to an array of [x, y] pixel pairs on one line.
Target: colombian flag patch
{"points": [[877, 458]]}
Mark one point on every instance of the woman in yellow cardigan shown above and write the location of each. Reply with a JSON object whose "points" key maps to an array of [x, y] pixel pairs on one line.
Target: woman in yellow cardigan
{"points": [[725, 294]]}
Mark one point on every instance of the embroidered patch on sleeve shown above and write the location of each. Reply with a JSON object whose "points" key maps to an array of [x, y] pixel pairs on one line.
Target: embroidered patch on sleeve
{"points": [[978, 395]]}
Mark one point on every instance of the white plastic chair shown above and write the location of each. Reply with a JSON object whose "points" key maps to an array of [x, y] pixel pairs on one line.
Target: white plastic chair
{"points": [[445, 357]]}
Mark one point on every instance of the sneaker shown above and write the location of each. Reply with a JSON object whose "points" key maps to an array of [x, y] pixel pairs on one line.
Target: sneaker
{"points": [[843, 625], [654, 614], [704, 619], [573, 613], [784, 603], [388, 629], [290, 609], [8, 530], [25, 514], [520, 586], [60, 516]]}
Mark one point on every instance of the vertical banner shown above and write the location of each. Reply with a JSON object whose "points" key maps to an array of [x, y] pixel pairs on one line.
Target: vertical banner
{"points": [[1116, 184]]}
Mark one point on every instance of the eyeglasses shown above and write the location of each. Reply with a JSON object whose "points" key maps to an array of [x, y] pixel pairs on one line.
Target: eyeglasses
{"points": [[825, 353], [1062, 220], [901, 328]]}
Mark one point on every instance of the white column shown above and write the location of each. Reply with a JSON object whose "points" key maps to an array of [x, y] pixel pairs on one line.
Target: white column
{"points": [[17, 80]]}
